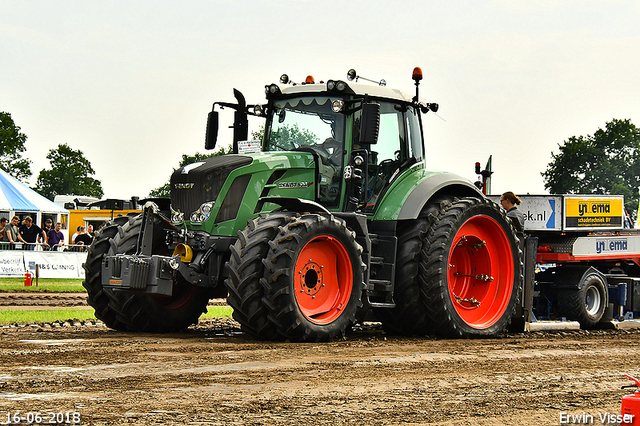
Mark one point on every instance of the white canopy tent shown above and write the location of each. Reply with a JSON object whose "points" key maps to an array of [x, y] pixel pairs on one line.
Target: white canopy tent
{"points": [[17, 199]]}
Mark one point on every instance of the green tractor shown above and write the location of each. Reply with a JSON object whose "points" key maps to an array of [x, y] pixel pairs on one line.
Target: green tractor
{"points": [[330, 219]]}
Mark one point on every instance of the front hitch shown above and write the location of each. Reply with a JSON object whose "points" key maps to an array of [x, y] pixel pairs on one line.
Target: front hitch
{"points": [[142, 271]]}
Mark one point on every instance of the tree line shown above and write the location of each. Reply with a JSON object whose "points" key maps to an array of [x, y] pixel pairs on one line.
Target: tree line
{"points": [[70, 171], [607, 162]]}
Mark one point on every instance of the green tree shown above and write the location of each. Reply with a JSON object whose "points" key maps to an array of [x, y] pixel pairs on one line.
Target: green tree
{"points": [[70, 173], [11, 149], [290, 137], [164, 191], [606, 163]]}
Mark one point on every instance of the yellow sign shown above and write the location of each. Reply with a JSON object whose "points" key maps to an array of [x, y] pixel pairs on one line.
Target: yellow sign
{"points": [[593, 212]]}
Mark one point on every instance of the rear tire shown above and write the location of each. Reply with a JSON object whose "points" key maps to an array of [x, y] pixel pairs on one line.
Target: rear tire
{"points": [[314, 278], [408, 318], [149, 313], [587, 304], [472, 269], [246, 269]]}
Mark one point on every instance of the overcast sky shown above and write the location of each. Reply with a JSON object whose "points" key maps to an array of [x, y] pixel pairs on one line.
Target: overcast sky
{"points": [[130, 83]]}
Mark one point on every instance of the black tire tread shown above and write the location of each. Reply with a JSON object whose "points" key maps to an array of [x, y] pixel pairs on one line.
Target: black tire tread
{"points": [[99, 298], [140, 312], [571, 304], [435, 294], [280, 265], [246, 269], [408, 318]]}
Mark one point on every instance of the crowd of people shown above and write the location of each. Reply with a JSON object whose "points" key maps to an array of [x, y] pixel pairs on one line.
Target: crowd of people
{"points": [[49, 237]]}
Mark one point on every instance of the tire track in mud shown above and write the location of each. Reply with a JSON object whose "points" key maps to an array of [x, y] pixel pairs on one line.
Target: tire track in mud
{"points": [[33, 300], [205, 376], [43, 299]]}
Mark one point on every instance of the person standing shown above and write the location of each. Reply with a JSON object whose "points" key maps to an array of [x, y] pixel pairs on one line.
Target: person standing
{"points": [[47, 226], [3, 223], [29, 232], [509, 202], [90, 231], [11, 232], [75, 234], [55, 238], [83, 238]]}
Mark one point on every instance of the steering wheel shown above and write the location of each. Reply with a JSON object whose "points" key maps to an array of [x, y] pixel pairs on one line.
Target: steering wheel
{"points": [[333, 148]]}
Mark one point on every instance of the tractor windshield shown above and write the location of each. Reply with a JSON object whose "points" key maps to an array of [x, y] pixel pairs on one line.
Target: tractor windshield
{"points": [[309, 124]]}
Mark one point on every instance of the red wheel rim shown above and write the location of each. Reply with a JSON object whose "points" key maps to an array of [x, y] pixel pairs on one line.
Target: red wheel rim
{"points": [[323, 279], [481, 272]]}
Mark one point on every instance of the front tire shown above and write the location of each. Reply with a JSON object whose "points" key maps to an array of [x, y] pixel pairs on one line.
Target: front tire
{"points": [[246, 269], [99, 298], [313, 278], [150, 313], [472, 269]]}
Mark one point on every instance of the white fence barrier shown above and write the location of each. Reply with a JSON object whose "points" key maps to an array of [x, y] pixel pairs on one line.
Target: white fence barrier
{"points": [[15, 263]]}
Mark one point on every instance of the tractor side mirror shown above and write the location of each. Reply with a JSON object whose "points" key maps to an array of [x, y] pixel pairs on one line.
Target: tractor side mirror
{"points": [[370, 123], [211, 136]]}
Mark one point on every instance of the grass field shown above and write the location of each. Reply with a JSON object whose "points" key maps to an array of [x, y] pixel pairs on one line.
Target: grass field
{"points": [[8, 317], [60, 285], [45, 285]]}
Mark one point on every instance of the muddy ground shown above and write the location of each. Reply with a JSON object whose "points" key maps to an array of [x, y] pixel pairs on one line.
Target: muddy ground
{"points": [[215, 375]]}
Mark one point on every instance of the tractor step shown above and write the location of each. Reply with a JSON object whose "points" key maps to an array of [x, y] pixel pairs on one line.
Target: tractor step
{"points": [[380, 285]]}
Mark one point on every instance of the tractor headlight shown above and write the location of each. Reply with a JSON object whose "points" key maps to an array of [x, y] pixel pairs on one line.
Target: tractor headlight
{"points": [[272, 89], [336, 85], [202, 213], [258, 110]]}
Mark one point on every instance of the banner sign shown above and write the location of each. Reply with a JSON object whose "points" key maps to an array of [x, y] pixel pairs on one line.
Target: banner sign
{"points": [[594, 213], [11, 263], [14, 263], [541, 212]]}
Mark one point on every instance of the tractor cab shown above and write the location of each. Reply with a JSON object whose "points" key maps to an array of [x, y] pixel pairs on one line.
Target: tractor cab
{"points": [[361, 136]]}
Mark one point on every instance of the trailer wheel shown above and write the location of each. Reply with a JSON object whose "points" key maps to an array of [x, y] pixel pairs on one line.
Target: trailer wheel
{"points": [[98, 297], [245, 269], [314, 278], [472, 269], [408, 317], [150, 313], [586, 304]]}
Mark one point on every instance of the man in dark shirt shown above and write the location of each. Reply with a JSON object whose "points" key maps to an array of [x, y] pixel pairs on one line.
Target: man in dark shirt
{"points": [[55, 237], [83, 238], [29, 232]]}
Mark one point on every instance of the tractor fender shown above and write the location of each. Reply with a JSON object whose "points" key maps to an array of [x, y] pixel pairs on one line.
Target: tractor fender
{"points": [[441, 183]]}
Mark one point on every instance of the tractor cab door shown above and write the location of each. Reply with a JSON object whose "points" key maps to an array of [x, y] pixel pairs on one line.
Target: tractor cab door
{"points": [[399, 145]]}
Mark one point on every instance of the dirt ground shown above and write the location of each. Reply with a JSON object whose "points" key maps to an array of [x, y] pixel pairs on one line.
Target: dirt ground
{"points": [[215, 375]]}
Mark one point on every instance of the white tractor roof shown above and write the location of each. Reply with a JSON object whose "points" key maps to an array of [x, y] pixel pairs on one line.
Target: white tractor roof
{"points": [[358, 88]]}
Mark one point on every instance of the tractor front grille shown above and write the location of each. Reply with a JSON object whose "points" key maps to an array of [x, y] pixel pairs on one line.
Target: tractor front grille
{"points": [[201, 182]]}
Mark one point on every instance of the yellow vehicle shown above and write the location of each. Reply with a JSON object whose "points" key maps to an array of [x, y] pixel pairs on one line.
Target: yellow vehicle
{"points": [[98, 212]]}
